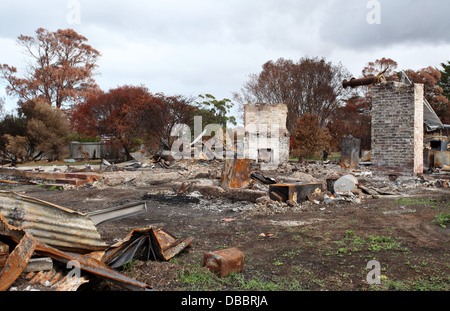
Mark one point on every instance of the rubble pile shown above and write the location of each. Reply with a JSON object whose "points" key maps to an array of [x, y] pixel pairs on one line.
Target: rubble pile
{"points": [[267, 206], [205, 178], [236, 185]]}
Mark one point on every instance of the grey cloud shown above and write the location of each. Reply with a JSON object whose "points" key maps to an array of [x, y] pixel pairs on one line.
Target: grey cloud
{"points": [[212, 45], [402, 21], [24, 17], [197, 22], [289, 24]]}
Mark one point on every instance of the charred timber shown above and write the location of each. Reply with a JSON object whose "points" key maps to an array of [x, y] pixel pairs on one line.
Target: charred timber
{"points": [[360, 82]]}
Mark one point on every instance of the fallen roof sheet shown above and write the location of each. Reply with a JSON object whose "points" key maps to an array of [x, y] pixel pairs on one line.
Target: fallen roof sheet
{"points": [[118, 212], [430, 117], [27, 245], [147, 243], [51, 224], [22, 217]]}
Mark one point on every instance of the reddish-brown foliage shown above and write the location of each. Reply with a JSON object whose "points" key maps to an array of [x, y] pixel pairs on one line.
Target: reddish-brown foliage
{"points": [[309, 139], [433, 92], [60, 70], [159, 114], [308, 86], [386, 65], [352, 119], [108, 115], [428, 76], [129, 115]]}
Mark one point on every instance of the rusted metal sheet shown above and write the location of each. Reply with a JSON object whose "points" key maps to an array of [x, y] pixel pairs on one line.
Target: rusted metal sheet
{"points": [[294, 192], [236, 173], [168, 245], [17, 261], [27, 245], [146, 243], [64, 229], [93, 266], [52, 224], [4, 253]]}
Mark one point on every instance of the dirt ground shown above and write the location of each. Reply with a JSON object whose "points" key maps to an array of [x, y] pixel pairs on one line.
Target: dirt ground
{"points": [[316, 247]]}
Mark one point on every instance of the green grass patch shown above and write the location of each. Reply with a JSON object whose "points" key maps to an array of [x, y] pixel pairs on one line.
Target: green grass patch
{"points": [[442, 220], [198, 278], [421, 284], [352, 243], [202, 279], [377, 243]]}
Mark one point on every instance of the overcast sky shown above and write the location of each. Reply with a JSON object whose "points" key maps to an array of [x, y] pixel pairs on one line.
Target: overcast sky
{"points": [[194, 47]]}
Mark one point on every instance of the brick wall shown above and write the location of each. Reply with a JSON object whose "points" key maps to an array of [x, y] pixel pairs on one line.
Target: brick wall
{"points": [[397, 128]]}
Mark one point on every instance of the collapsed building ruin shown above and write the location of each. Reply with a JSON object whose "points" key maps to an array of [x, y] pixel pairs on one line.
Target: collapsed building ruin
{"points": [[266, 136], [400, 117], [397, 128]]}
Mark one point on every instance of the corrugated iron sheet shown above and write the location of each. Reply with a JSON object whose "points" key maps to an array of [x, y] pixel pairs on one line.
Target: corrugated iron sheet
{"points": [[45, 229], [19, 258], [17, 261], [93, 266], [146, 243], [51, 224], [55, 279]]}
